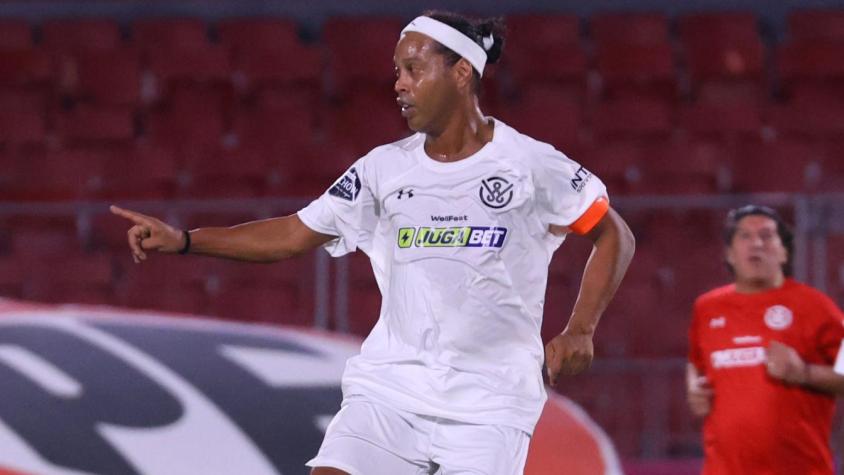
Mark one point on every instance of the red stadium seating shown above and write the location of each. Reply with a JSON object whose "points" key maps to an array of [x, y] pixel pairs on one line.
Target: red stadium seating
{"points": [[364, 297], [75, 279], [633, 52], [269, 53], [686, 167], [367, 118], [22, 100], [722, 121], [533, 39], [102, 77], [155, 35], [817, 25], [22, 127], [723, 49], [809, 118], [633, 118], [227, 173], [193, 121], [92, 125], [140, 172], [547, 114], [15, 34], [806, 61], [784, 165], [633, 28], [361, 51], [618, 163], [81, 34], [25, 67], [11, 270]]}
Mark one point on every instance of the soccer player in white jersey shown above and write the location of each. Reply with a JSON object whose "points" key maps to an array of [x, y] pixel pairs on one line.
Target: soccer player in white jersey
{"points": [[460, 222]]}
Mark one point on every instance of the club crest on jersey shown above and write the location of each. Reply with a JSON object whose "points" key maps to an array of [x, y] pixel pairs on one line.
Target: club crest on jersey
{"points": [[496, 192], [347, 187], [459, 236], [778, 317]]}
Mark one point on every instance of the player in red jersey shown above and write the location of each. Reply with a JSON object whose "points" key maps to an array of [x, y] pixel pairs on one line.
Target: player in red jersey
{"points": [[762, 358]]}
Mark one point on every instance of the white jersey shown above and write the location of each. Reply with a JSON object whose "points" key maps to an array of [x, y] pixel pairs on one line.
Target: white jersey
{"points": [[460, 251]]}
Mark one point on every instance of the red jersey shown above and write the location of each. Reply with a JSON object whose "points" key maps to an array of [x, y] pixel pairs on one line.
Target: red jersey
{"points": [[758, 425]]}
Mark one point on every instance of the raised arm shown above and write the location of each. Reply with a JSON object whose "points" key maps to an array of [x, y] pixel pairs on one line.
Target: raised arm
{"points": [[267, 240], [571, 352]]}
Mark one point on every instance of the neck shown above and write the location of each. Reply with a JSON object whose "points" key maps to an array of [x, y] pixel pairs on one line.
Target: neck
{"points": [[466, 131], [753, 286]]}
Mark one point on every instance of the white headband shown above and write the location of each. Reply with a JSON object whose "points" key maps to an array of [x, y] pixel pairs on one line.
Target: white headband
{"points": [[453, 39]]}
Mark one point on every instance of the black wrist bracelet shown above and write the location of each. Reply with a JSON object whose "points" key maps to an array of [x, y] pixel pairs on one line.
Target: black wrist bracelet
{"points": [[186, 249]]}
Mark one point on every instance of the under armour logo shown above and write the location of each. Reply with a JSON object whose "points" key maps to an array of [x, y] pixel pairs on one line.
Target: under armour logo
{"points": [[408, 193]]}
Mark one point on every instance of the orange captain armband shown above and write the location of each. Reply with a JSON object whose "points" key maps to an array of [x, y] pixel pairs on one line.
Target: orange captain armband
{"points": [[591, 217]]}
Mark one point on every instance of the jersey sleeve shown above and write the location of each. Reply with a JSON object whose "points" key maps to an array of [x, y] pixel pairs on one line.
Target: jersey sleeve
{"points": [[567, 193], [831, 331], [347, 210]]}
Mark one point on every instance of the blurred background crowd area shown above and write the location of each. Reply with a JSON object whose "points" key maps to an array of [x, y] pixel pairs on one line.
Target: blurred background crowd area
{"points": [[218, 121]]}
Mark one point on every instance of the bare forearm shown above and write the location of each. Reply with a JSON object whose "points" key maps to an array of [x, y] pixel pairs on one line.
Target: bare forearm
{"points": [[267, 240], [611, 255], [823, 378]]}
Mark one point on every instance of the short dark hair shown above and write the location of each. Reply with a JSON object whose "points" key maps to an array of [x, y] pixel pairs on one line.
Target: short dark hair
{"points": [[477, 30], [786, 235]]}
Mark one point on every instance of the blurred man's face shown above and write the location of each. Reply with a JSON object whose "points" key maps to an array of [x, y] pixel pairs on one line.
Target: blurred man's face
{"points": [[425, 87], [756, 253]]}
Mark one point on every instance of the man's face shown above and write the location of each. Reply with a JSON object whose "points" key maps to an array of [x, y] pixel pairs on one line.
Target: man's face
{"points": [[756, 252], [425, 87]]}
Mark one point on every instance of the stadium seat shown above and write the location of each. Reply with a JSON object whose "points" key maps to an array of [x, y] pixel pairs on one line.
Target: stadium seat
{"points": [[832, 167], [817, 25], [725, 49], [159, 34], [686, 167], [784, 165], [548, 114], [273, 125], [633, 53], [807, 61], [93, 125], [533, 39], [140, 172], [82, 278], [25, 67], [275, 304], [10, 278], [193, 120], [269, 53], [80, 34], [618, 163], [809, 119], [15, 99], [177, 52], [110, 77], [15, 34], [22, 127], [42, 241], [722, 121], [365, 119], [360, 51], [61, 175], [633, 118], [630, 28], [226, 173]]}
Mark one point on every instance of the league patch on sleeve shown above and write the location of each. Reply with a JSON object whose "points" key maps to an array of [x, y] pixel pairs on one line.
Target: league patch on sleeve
{"points": [[581, 178], [347, 187]]}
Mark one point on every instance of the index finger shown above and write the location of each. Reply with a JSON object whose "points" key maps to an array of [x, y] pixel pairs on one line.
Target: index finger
{"points": [[133, 216]]}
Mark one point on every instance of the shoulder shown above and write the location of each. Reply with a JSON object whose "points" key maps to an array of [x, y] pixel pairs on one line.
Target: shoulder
{"points": [[715, 296], [810, 296], [527, 150]]}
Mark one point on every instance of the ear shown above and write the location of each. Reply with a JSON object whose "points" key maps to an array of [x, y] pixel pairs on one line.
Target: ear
{"points": [[463, 72], [729, 256]]}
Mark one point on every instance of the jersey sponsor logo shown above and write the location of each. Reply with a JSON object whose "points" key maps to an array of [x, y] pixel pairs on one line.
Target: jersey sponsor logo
{"points": [[496, 192], [405, 193], [747, 339], [448, 219], [718, 322], [347, 187], [459, 236], [778, 317], [581, 178], [738, 357]]}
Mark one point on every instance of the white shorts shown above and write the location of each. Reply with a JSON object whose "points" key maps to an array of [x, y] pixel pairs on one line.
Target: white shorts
{"points": [[367, 438]]}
